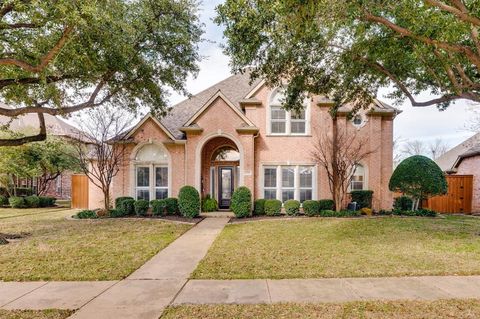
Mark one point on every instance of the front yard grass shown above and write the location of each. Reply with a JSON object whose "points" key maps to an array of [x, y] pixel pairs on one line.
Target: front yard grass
{"points": [[35, 314], [373, 247], [442, 309], [60, 249]]}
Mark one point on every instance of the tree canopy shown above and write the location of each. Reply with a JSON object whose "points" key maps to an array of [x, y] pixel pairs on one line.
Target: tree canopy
{"points": [[418, 177], [62, 56], [349, 49]]}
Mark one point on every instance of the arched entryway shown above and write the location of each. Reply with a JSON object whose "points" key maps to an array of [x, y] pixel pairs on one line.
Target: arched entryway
{"points": [[220, 169]]}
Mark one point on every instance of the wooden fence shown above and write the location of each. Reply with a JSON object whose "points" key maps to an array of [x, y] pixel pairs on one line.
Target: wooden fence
{"points": [[457, 200], [80, 191]]}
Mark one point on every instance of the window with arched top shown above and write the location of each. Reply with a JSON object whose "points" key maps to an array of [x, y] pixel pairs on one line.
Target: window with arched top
{"points": [[151, 172], [282, 122], [358, 179]]}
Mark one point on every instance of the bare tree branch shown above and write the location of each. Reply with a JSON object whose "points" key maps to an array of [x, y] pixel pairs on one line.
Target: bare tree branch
{"points": [[41, 136]]}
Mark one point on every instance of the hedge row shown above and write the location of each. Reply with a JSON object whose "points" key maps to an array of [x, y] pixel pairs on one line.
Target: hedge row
{"points": [[127, 206], [27, 201]]}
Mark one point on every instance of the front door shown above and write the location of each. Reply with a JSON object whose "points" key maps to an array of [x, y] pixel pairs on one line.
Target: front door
{"points": [[225, 185]]}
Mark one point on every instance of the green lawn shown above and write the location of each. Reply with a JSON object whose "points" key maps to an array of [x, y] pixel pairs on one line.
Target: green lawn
{"points": [[35, 314], [60, 249], [315, 248], [442, 309]]}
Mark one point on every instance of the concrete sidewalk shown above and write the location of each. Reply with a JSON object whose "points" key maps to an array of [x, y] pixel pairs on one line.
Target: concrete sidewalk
{"points": [[328, 290], [144, 294]]}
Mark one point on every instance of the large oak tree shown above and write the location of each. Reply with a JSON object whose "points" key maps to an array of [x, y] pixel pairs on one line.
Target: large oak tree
{"points": [[62, 56], [349, 49]]}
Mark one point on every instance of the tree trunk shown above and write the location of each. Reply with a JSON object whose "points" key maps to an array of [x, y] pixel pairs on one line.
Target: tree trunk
{"points": [[335, 180], [106, 197]]}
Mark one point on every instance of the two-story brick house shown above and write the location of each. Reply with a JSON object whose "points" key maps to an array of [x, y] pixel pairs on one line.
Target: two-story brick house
{"points": [[236, 133]]}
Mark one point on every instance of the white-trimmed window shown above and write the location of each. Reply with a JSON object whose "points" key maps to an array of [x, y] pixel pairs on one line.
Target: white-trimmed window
{"points": [[286, 182], [281, 122], [151, 173], [358, 179]]}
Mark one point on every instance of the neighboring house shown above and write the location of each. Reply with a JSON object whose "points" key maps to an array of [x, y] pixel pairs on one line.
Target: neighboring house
{"points": [[60, 188], [464, 159], [236, 133]]}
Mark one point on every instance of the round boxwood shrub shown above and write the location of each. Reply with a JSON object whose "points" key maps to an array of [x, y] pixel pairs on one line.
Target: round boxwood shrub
{"points": [[127, 206], [311, 207], [172, 206], [115, 213], [189, 201], [292, 207], [119, 200], [3, 200], [32, 201], [419, 178], [47, 201], [326, 204], [87, 214], [241, 204], [141, 207], [209, 204], [259, 207], [273, 207], [159, 207], [17, 202]]}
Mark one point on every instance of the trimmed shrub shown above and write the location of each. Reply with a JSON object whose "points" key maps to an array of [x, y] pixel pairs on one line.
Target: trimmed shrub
{"points": [[17, 202], [32, 201], [362, 198], [172, 206], [259, 207], [343, 213], [311, 207], [127, 206], [3, 200], [419, 213], [159, 207], [115, 213], [402, 203], [87, 214], [326, 204], [273, 207], [46, 201], [426, 213], [292, 207], [119, 200], [189, 201], [241, 204], [141, 207], [209, 204]]}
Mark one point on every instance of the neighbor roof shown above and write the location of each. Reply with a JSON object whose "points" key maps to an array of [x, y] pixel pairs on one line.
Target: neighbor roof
{"points": [[448, 160], [55, 126]]}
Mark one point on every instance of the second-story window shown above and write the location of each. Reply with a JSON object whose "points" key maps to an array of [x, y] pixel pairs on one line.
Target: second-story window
{"points": [[281, 122]]}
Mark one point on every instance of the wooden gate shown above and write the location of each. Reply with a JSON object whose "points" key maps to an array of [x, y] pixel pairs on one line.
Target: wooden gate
{"points": [[459, 196], [80, 191]]}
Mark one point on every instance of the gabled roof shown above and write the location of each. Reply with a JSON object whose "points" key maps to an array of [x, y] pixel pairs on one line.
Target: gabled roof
{"points": [[207, 104], [145, 118], [234, 88], [448, 160]]}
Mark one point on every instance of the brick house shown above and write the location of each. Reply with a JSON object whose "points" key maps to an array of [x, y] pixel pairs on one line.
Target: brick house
{"points": [[236, 133], [59, 188]]}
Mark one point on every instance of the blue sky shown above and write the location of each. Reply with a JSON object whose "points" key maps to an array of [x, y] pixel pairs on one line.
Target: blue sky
{"points": [[414, 123]]}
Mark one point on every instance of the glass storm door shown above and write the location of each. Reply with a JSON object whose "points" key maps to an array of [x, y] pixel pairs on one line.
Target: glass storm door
{"points": [[225, 185]]}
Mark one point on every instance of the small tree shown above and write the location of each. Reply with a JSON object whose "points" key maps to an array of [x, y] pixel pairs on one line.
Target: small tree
{"points": [[419, 178], [99, 158], [339, 152]]}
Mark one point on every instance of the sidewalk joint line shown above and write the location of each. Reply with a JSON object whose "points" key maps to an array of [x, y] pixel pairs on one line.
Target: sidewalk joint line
{"points": [[268, 291], [25, 294], [100, 293]]}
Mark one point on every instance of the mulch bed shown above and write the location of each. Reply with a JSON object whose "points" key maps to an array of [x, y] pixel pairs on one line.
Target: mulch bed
{"points": [[4, 238]]}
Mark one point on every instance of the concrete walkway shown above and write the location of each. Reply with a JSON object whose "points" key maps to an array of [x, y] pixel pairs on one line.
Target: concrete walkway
{"points": [[328, 290], [144, 294]]}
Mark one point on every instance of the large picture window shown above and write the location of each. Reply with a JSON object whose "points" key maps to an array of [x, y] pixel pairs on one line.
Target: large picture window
{"points": [[286, 182], [283, 122], [151, 173], [358, 179]]}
